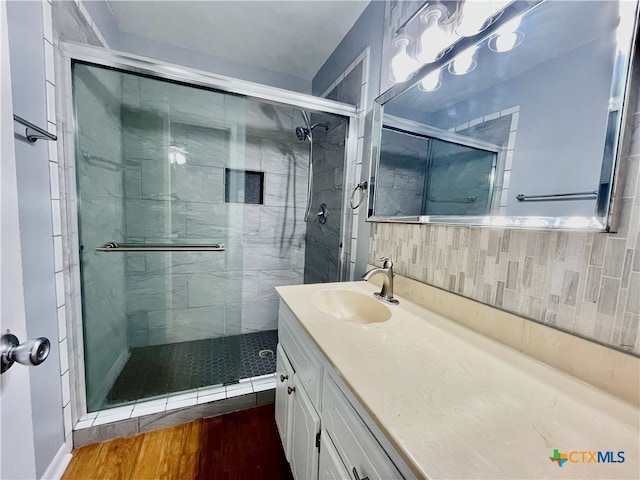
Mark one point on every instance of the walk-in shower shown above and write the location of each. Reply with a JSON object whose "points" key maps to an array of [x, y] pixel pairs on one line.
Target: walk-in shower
{"points": [[191, 206]]}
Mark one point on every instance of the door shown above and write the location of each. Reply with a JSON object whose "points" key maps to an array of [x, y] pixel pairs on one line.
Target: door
{"points": [[331, 467], [304, 430], [16, 428], [284, 381]]}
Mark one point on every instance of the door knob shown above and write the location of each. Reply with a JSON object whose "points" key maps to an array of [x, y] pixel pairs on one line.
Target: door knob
{"points": [[31, 352], [290, 390]]}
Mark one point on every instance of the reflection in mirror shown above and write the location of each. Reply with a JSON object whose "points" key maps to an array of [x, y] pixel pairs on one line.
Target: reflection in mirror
{"points": [[519, 128]]}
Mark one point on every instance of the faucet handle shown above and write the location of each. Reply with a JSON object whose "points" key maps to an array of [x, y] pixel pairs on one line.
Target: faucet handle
{"points": [[386, 262]]}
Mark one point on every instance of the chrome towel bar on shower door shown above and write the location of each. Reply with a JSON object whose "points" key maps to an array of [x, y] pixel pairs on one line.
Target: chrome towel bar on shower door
{"points": [[159, 247]]}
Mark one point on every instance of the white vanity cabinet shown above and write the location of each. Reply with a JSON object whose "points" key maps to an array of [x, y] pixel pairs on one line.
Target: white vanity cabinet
{"points": [[305, 434], [331, 466], [298, 397], [284, 382], [321, 426]]}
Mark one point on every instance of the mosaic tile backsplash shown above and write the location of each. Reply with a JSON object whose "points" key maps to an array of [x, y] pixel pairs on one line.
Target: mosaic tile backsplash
{"points": [[582, 282]]}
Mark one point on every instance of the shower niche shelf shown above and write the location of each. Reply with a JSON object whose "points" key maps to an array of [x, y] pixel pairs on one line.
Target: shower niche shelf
{"points": [[243, 186]]}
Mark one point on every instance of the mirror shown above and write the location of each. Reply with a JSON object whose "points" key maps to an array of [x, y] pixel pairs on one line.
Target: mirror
{"points": [[519, 125]]}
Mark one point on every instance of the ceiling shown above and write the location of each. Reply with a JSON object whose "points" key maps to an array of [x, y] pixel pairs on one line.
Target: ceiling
{"points": [[290, 37]]}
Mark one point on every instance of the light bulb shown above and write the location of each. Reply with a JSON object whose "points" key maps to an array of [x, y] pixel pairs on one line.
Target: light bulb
{"points": [[464, 62], [511, 26], [434, 39], [430, 82], [402, 65], [507, 36], [475, 13], [506, 41]]}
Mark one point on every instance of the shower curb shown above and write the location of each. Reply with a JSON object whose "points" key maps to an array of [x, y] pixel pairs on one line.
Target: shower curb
{"points": [[157, 421]]}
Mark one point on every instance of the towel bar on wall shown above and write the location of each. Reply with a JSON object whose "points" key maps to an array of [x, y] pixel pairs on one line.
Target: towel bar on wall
{"points": [[40, 133], [557, 196], [159, 247]]}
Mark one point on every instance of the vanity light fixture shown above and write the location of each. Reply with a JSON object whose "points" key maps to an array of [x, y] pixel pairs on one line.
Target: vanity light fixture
{"points": [[475, 15], [507, 37], [430, 82], [402, 64], [435, 37], [464, 62]]}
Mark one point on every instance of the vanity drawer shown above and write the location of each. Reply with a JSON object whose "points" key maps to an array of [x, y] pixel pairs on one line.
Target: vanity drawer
{"points": [[302, 354], [354, 442]]}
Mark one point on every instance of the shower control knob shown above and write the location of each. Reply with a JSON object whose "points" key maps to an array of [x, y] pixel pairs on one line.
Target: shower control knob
{"points": [[283, 378], [31, 352], [290, 390]]}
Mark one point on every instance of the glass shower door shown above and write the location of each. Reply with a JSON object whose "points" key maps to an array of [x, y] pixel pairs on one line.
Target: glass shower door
{"points": [[161, 297]]}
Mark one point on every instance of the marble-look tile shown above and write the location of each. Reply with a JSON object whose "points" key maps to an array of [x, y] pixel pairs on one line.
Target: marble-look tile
{"points": [[270, 279], [271, 255], [159, 219], [175, 417], [614, 257], [286, 158], [220, 288], [284, 191], [265, 397], [83, 424], [156, 292], [251, 317], [263, 384], [105, 432], [211, 390], [142, 410], [265, 119], [100, 176], [281, 222], [181, 403], [208, 146], [212, 397]]}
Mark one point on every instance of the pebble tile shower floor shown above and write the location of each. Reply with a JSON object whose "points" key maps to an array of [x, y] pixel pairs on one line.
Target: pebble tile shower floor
{"points": [[161, 369]]}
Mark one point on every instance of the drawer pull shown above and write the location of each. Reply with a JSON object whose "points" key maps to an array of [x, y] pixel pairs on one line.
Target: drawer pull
{"points": [[290, 390], [283, 378], [356, 476]]}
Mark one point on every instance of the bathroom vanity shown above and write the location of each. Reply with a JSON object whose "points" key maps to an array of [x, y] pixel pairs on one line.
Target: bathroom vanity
{"points": [[368, 390]]}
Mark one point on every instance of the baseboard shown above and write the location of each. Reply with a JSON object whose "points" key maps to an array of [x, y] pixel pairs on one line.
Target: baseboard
{"points": [[58, 465]]}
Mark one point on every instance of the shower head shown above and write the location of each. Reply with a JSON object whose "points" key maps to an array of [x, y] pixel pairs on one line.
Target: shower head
{"points": [[305, 133], [302, 133]]}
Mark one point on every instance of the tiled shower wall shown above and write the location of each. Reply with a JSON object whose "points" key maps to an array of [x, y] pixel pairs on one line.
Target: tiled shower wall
{"points": [[322, 254], [174, 297], [584, 283], [351, 87]]}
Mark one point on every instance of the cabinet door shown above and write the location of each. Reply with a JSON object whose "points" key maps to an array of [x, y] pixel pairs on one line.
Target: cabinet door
{"points": [[284, 380], [304, 429], [331, 467]]}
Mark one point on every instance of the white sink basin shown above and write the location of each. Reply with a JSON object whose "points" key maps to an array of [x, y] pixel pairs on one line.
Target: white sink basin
{"points": [[351, 306]]}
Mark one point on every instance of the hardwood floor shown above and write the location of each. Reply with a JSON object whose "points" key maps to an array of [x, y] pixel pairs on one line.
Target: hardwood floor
{"points": [[236, 446]]}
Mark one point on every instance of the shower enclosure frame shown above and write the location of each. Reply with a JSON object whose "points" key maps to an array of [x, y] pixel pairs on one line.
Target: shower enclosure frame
{"points": [[101, 57]]}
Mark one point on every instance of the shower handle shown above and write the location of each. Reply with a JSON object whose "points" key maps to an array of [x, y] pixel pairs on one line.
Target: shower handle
{"points": [[290, 390], [283, 378]]}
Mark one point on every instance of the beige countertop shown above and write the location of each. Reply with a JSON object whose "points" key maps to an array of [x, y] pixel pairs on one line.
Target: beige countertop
{"points": [[456, 404]]}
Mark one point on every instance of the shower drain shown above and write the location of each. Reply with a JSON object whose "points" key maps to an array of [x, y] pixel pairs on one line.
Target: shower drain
{"points": [[265, 353]]}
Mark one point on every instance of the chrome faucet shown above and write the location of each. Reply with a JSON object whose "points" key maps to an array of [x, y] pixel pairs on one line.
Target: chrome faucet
{"points": [[386, 294]]}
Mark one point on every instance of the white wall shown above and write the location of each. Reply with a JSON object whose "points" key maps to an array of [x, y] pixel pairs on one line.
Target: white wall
{"points": [[29, 26], [165, 52]]}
